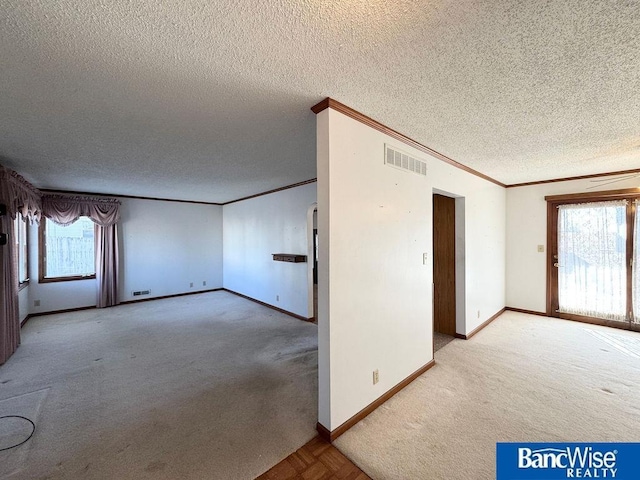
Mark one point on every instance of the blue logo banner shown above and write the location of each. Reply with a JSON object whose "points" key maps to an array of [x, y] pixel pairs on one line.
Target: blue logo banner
{"points": [[559, 461]]}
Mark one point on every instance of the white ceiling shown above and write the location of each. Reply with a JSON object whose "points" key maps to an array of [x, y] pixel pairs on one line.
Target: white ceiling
{"points": [[209, 100]]}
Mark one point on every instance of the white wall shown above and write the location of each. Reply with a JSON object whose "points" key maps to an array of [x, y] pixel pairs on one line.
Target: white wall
{"points": [[527, 228], [375, 223], [483, 206], [57, 295], [164, 246], [23, 303], [256, 228]]}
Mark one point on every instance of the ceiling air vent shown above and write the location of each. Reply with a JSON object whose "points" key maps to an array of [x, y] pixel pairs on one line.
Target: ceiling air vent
{"points": [[398, 159]]}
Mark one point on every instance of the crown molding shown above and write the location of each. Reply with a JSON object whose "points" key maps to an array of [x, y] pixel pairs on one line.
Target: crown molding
{"points": [[299, 184], [360, 117], [73, 192], [581, 177]]}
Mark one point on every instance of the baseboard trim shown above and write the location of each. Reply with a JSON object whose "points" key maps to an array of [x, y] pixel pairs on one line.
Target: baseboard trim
{"points": [[330, 436], [286, 312], [78, 309], [528, 312], [484, 324], [25, 320], [579, 318], [138, 300], [324, 433], [55, 312], [599, 321]]}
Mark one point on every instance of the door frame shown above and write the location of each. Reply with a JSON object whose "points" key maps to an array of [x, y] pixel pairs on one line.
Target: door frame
{"points": [[460, 272], [553, 202], [311, 211]]}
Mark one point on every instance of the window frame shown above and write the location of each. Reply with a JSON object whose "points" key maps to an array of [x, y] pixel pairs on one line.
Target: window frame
{"points": [[553, 202], [19, 218], [42, 264]]}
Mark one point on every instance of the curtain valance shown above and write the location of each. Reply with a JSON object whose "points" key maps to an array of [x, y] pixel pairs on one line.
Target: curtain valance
{"points": [[19, 195], [66, 209]]}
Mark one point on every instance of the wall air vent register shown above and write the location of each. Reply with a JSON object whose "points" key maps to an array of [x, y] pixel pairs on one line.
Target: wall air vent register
{"points": [[403, 161]]}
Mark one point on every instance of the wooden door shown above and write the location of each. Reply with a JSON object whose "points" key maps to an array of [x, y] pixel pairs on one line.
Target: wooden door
{"points": [[444, 264]]}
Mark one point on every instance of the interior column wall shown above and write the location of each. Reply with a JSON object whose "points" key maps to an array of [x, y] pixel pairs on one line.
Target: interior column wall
{"points": [[375, 292]]}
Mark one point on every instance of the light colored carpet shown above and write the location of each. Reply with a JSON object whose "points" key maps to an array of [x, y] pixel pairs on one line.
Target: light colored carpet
{"points": [[205, 386], [523, 378]]}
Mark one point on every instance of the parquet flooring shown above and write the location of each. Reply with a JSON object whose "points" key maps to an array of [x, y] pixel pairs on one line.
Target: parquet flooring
{"points": [[317, 460]]}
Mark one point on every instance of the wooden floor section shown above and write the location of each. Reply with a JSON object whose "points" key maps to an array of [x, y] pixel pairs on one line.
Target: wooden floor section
{"points": [[317, 460]]}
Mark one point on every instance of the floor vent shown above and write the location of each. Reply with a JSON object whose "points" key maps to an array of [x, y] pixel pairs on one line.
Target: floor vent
{"points": [[401, 160], [141, 292]]}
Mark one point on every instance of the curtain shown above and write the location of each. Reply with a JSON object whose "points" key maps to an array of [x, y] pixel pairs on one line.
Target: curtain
{"points": [[592, 279], [19, 196], [9, 316], [107, 268], [66, 209], [636, 266], [105, 213]]}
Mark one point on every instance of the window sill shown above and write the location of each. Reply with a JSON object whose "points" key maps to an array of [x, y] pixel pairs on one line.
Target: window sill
{"points": [[67, 279], [23, 284]]}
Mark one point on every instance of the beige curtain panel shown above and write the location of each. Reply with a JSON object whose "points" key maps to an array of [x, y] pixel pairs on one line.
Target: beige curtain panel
{"points": [[19, 196], [107, 268]]}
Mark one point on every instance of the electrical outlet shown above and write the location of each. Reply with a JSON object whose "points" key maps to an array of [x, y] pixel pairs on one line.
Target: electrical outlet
{"points": [[425, 258], [478, 313], [376, 376], [36, 303], [191, 285], [541, 248], [204, 283], [277, 298]]}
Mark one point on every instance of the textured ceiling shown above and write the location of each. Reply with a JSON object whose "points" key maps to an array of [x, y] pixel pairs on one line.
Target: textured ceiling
{"points": [[202, 100]]}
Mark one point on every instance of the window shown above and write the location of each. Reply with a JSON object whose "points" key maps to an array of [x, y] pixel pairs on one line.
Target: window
{"points": [[21, 248], [592, 259], [67, 253], [593, 272]]}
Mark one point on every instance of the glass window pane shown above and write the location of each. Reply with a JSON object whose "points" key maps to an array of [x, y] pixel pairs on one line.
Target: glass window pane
{"points": [[70, 249], [636, 267], [21, 247], [592, 278]]}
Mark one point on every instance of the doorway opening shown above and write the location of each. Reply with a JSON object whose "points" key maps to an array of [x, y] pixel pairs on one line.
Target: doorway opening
{"points": [[448, 268]]}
